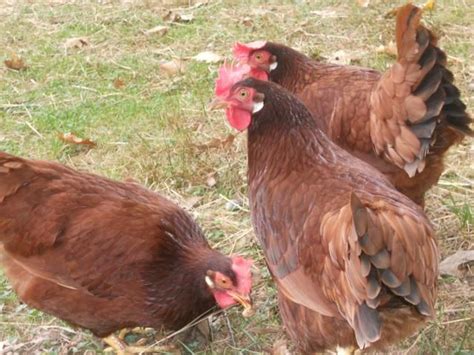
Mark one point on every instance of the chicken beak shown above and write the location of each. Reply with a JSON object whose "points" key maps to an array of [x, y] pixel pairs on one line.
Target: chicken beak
{"points": [[216, 104], [245, 301]]}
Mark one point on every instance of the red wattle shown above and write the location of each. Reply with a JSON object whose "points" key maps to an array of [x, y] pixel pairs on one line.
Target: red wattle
{"points": [[239, 119], [223, 299], [259, 74]]}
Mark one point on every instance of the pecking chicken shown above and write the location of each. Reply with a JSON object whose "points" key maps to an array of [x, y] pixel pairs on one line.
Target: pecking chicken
{"points": [[354, 260], [106, 255], [402, 121]]}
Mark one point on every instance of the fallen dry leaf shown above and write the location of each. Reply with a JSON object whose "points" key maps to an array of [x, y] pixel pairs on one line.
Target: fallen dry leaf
{"points": [[191, 202], [363, 3], [391, 13], [199, 4], [280, 348], [119, 83], [208, 57], [343, 57], [186, 18], [390, 49], [172, 67], [158, 30], [326, 13], [73, 139], [15, 63], [248, 312], [247, 21], [211, 180], [457, 264], [218, 143], [471, 86], [429, 5], [169, 16], [259, 11], [196, 126], [76, 42], [233, 205], [172, 16]]}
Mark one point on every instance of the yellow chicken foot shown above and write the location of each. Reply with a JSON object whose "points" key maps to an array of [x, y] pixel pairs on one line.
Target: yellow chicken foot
{"points": [[121, 348], [143, 331], [153, 349], [346, 351], [123, 333], [116, 344]]}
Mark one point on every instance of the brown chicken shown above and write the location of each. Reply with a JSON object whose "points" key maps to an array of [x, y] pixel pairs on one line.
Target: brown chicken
{"points": [[355, 261], [106, 255], [402, 121]]}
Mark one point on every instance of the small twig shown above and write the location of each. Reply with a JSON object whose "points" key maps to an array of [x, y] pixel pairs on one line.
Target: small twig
{"points": [[58, 327], [84, 88], [236, 237], [407, 351], [239, 206], [307, 34], [458, 320], [179, 331], [111, 94], [28, 112], [229, 328], [122, 66], [455, 310], [11, 348], [455, 59], [17, 323], [33, 129], [17, 105], [455, 184], [452, 192]]}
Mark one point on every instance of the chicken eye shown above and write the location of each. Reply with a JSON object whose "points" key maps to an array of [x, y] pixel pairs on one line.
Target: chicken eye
{"points": [[224, 283], [258, 57], [243, 94]]}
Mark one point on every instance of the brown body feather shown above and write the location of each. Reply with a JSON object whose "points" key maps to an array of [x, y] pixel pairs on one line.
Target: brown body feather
{"points": [[101, 254], [352, 257], [402, 121]]}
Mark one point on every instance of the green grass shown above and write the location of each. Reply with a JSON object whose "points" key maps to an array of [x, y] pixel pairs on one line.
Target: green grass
{"points": [[151, 128]]}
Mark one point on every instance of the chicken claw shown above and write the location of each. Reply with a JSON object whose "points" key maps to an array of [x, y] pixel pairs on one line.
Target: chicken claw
{"points": [[123, 333], [248, 312], [116, 344], [138, 330], [121, 348]]}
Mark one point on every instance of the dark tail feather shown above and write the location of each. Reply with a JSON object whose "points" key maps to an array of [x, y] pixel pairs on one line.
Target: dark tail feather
{"points": [[442, 97], [377, 267], [445, 110], [367, 325]]}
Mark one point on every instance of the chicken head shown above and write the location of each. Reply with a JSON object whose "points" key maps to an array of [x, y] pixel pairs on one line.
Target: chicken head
{"points": [[240, 101], [230, 288], [254, 54]]}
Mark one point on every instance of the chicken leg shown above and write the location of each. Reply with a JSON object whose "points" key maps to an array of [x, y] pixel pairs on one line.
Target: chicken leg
{"points": [[138, 330], [121, 348]]}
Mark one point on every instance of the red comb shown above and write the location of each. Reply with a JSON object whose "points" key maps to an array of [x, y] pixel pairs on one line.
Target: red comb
{"points": [[242, 268], [241, 261], [242, 50], [228, 76]]}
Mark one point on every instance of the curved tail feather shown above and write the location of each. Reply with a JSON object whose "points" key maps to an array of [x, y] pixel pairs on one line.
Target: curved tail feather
{"points": [[416, 108]]}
